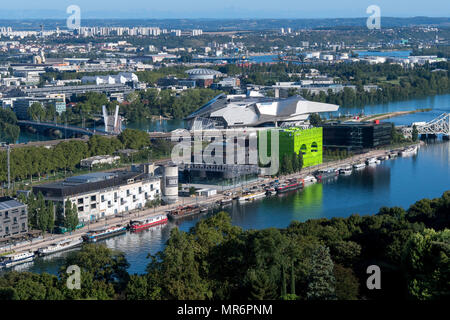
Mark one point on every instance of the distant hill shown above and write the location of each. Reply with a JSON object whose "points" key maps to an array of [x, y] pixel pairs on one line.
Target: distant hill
{"points": [[228, 24]]}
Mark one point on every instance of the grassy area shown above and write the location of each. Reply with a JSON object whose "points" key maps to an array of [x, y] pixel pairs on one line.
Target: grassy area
{"points": [[6, 253]]}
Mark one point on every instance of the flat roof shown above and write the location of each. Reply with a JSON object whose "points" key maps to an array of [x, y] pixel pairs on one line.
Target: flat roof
{"points": [[9, 203]]}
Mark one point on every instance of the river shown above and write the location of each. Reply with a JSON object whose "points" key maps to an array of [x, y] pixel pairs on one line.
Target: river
{"points": [[398, 182]]}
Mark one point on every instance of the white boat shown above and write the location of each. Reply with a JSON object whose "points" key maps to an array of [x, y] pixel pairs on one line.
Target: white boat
{"points": [[14, 259], [371, 161], [309, 180], [408, 151], [393, 155], [346, 171], [359, 166], [252, 196], [378, 161], [60, 246]]}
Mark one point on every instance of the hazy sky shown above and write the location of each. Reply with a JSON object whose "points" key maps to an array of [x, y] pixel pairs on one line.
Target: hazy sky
{"points": [[223, 8]]}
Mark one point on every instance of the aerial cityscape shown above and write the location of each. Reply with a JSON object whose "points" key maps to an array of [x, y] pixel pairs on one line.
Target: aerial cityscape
{"points": [[243, 151]]}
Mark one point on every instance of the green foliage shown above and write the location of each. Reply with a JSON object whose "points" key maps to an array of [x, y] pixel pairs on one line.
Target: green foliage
{"points": [[315, 120], [103, 272], [70, 215], [321, 279], [415, 133], [216, 260], [347, 284], [426, 259], [9, 130], [134, 139], [153, 102]]}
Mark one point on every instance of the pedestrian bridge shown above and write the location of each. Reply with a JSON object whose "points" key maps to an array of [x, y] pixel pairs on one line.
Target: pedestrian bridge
{"points": [[64, 130]]}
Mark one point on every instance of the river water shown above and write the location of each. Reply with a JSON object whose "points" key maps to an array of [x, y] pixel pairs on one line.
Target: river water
{"points": [[398, 182]]}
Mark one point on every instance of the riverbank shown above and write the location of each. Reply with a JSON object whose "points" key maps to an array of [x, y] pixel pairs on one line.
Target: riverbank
{"points": [[389, 115], [124, 218]]}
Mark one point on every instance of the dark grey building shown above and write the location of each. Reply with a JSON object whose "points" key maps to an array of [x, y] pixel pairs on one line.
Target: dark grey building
{"points": [[13, 217]]}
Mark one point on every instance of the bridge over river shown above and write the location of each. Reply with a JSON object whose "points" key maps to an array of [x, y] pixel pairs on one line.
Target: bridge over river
{"points": [[437, 126]]}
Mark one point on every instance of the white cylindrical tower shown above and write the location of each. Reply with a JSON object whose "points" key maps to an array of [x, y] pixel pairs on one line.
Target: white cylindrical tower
{"points": [[170, 183]]}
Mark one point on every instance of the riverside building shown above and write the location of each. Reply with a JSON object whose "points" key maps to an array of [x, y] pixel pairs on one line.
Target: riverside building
{"points": [[103, 194]]}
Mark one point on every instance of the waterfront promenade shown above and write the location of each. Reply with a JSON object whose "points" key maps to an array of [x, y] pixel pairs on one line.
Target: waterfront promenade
{"points": [[124, 218]]}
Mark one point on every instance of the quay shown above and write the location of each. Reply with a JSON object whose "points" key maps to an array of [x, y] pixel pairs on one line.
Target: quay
{"points": [[125, 218]]}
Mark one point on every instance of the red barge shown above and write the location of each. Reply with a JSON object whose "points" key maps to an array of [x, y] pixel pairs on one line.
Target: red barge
{"points": [[136, 225]]}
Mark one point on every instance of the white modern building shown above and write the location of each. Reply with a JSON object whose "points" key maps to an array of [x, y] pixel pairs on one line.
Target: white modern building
{"points": [[254, 111], [98, 195], [122, 77]]}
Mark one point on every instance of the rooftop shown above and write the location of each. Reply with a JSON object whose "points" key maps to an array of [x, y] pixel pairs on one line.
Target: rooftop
{"points": [[9, 203]]}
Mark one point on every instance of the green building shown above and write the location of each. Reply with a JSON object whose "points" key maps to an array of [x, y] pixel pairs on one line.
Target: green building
{"points": [[308, 141]]}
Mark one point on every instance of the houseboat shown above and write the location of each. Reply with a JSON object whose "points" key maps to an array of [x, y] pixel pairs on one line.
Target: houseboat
{"points": [[103, 233], [183, 211], [60, 246], [136, 225], [14, 259]]}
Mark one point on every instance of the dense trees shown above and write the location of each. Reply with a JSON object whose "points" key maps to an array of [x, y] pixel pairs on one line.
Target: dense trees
{"points": [[9, 130], [291, 163], [316, 259], [29, 162], [154, 102]]}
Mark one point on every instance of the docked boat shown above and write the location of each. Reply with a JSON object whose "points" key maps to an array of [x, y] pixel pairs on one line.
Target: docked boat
{"points": [[60, 246], [14, 259], [291, 185], [326, 173], [381, 158], [103, 233], [251, 196], [346, 171], [270, 191], [393, 155], [183, 211], [136, 225], [309, 180], [359, 166], [371, 161], [408, 151], [226, 202]]}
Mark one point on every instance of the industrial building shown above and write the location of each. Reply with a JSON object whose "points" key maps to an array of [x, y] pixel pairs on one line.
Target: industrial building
{"points": [[13, 217], [294, 139], [98, 195], [356, 135], [251, 110]]}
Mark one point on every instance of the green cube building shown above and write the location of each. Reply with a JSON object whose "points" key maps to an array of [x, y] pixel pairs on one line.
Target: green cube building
{"points": [[294, 139]]}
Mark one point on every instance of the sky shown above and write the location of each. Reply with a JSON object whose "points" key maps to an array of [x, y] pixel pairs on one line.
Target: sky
{"points": [[20, 9]]}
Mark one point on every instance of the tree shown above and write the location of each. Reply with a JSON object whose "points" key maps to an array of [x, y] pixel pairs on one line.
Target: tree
{"points": [[103, 271], [36, 111], [315, 120], [300, 160], [71, 215], [415, 133], [347, 285], [426, 261], [321, 281]]}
